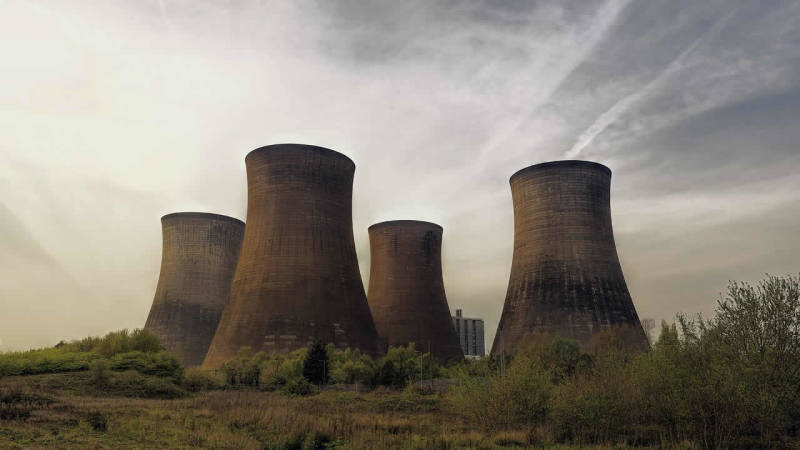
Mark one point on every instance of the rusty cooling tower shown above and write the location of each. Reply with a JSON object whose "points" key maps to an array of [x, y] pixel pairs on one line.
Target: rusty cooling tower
{"points": [[566, 279], [406, 291], [198, 259], [297, 280]]}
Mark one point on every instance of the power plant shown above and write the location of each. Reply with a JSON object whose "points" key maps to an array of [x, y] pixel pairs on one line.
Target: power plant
{"points": [[297, 280], [406, 291], [198, 260], [566, 279], [290, 277]]}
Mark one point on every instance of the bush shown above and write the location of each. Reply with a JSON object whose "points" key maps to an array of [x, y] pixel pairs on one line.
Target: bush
{"points": [[403, 366], [134, 384], [267, 371], [726, 382], [196, 380], [350, 366], [78, 355], [100, 372], [299, 386], [160, 364], [97, 420]]}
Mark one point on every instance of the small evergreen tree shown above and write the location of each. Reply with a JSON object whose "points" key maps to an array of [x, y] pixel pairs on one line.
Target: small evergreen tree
{"points": [[315, 367]]}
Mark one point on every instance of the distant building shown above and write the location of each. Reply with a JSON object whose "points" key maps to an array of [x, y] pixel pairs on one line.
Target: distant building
{"points": [[470, 334]]}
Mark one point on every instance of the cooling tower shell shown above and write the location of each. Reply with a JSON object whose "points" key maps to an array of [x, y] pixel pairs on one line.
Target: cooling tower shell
{"points": [[406, 290], [297, 280], [198, 260], [566, 279]]}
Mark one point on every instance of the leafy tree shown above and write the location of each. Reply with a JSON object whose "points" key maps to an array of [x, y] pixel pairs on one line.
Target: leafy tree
{"points": [[316, 366]]}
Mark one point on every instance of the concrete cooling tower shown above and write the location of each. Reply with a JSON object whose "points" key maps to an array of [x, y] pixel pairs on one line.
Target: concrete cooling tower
{"points": [[297, 280], [566, 279], [406, 291], [198, 260]]}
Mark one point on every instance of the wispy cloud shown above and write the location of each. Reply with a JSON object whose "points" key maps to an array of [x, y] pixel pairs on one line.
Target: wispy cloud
{"points": [[624, 104], [117, 112]]}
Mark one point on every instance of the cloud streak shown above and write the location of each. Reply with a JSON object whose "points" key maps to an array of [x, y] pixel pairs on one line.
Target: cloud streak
{"points": [[624, 104], [118, 112]]}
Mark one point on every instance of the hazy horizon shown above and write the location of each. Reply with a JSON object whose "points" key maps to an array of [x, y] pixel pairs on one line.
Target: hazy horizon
{"points": [[115, 113]]}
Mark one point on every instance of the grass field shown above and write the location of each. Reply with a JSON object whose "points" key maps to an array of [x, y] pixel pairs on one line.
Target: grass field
{"points": [[66, 413]]}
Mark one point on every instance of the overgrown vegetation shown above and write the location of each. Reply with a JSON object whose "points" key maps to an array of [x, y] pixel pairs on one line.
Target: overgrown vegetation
{"points": [[732, 381], [123, 350], [123, 363]]}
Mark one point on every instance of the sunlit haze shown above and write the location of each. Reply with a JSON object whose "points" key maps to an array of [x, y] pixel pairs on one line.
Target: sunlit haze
{"points": [[115, 113]]}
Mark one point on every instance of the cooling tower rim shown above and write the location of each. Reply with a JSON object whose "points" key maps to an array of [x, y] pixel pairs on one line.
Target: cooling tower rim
{"points": [[390, 223], [200, 215], [294, 146], [562, 163]]}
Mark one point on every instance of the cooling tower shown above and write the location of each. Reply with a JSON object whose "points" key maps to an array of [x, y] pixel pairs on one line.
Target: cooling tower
{"points": [[566, 279], [198, 259], [297, 280], [406, 291]]}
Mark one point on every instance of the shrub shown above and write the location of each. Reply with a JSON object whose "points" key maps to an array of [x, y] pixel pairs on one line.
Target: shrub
{"points": [[161, 364], [78, 355], [298, 386], [97, 420], [196, 380], [350, 366], [134, 384], [100, 373]]}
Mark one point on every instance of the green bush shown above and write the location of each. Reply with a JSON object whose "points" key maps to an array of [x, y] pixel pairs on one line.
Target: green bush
{"points": [[100, 373], [298, 386], [350, 366], [726, 382], [403, 366], [78, 355], [133, 384], [160, 364], [196, 380]]}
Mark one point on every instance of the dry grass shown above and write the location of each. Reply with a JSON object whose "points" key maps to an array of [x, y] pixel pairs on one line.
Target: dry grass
{"points": [[247, 420]]}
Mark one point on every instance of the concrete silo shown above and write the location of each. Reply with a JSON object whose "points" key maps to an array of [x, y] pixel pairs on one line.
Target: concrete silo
{"points": [[198, 260], [297, 280], [406, 290], [566, 279]]}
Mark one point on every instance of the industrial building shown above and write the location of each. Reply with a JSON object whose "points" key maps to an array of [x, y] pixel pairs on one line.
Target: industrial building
{"points": [[566, 279], [297, 280], [198, 260], [406, 290], [470, 334]]}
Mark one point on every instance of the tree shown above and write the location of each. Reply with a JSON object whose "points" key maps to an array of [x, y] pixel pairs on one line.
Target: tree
{"points": [[315, 367]]}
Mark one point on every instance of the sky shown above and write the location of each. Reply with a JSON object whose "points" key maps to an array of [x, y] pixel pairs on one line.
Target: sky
{"points": [[114, 113]]}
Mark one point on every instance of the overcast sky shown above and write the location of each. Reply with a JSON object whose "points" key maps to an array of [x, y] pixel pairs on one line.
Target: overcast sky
{"points": [[113, 113]]}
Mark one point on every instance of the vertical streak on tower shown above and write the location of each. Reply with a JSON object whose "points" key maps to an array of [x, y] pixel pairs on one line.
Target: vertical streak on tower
{"points": [[198, 260], [297, 279], [406, 289], [566, 278]]}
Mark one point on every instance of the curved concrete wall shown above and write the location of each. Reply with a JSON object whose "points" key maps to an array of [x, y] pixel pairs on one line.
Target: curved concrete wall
{"points": [[566, 278], [297, 279], [406, 291], [198, 260]]}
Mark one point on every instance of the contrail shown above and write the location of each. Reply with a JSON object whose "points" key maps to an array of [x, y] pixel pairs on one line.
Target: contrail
{"points": [[597, 32], [621, 106]]}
